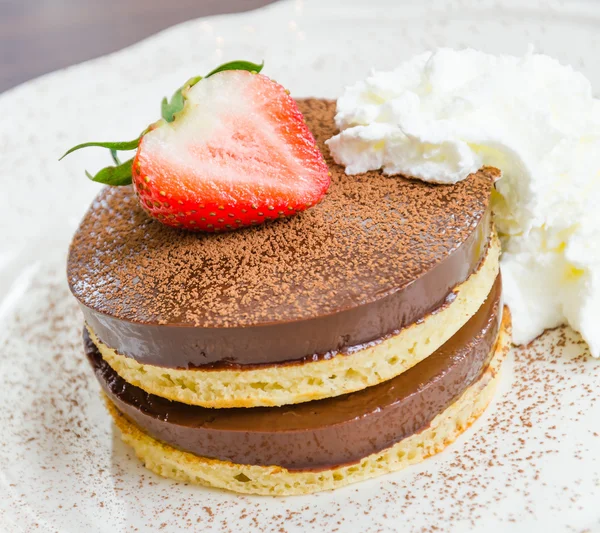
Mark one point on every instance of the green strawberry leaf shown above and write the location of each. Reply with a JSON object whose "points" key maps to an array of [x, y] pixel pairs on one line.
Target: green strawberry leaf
{"points": [[169, 108], [119, 175], [122, 146], [238, 65]]}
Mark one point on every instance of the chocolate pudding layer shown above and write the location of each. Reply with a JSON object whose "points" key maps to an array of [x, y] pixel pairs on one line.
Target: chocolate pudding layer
{"points": [[324, 433], [375, 255]]}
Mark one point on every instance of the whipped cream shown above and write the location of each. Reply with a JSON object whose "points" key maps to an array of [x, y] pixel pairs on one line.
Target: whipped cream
{"points": [[443, 115]]}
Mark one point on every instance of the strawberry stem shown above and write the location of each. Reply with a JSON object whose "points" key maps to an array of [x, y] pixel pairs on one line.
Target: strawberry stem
{"points": [[115, 156]]}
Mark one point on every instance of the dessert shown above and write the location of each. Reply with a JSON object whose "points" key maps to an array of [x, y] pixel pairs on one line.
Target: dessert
{"points": [[268, 317], [350, 340]]}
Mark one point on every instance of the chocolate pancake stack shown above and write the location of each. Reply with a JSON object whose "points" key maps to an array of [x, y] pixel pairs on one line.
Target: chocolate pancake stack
{"points": [[308, 353]]}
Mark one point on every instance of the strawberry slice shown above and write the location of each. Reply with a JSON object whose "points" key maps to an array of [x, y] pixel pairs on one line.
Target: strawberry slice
{"points": [[232, 150], [238, 154]]}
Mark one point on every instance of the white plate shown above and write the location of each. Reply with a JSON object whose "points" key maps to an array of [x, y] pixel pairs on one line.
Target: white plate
{"points": [[531, 464]]}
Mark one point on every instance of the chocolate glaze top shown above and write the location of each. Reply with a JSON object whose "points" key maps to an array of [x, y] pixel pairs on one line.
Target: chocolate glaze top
{"points": [[370, 236], [322, 433]]}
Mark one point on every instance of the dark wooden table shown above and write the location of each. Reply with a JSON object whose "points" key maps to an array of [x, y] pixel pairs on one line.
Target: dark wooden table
{"points": [[39, 36]]}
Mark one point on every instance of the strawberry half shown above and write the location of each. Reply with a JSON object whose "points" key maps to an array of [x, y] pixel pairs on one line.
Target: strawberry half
{"points": [[238, 154], [232, 150]]}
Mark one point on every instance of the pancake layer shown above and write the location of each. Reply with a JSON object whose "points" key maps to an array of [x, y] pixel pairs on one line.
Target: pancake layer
{"points": [[324, 433]]}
